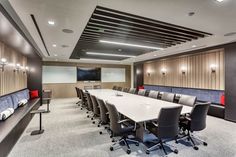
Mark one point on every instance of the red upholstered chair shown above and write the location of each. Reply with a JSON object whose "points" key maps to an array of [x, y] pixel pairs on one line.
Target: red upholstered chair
{"points": [[34, 94]]}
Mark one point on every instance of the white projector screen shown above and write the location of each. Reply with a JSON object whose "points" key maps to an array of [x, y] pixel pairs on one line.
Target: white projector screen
{"points": [[113, 74], [59, 74]]}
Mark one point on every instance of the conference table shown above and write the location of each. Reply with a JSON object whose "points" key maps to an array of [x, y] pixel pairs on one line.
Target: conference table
{"points": [[138, 108]]}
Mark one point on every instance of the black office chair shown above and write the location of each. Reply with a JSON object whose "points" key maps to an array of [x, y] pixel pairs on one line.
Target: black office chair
{"points": [[96, 110], [153, 94], [166, 127], [132, 90], [187, 100], [83, 99], [195, 121], [114, 87], [142, 92], [166, 96], [103, 112], [89, 103], [125, 89], [118, 129], [78, 96], [119, 88]]}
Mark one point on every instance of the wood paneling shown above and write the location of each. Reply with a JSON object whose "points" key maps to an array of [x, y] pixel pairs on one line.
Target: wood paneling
{"points": [[67, 90], [11, 81], [198, 72]]}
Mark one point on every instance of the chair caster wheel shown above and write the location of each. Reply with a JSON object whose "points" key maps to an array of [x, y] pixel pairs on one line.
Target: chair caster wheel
{"points": [[98, 125], [188, 139], [87, 112], [100, 132], [136, 144], [195, 147], [112, 140], [204, 143], [111, 149], [91, 118], [147, 152], [93, 122], [128, 151], [111, 136], [87, 116], [176, 151], [106, 127]]}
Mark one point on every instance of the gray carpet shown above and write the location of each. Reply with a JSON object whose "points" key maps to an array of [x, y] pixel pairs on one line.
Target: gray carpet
{"points": [[69, 133]]}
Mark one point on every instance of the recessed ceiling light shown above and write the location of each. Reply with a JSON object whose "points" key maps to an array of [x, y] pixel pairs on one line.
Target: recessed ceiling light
{"points": [[55, 55], [54, 45], [132, 45], [219, 0], [50, 22], [108, 54], [193, 46], [154, 55], [230, 34]]}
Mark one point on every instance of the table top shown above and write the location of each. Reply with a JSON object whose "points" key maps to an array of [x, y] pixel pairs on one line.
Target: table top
{"points": [[136, 107], [38, 111]]}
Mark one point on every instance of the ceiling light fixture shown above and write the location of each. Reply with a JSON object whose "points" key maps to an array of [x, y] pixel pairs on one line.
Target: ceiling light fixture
{"points": [[55, 55], [219, 0], [132, 45], [54, 45], [108, 54], [100, 60], [193, 46], [50, 22]]}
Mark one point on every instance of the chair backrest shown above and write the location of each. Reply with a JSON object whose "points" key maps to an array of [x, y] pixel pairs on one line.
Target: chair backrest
{"points": [[89, 101], [77, 92], [142, 92], [114, 118], [125, 89], [88, 87], [119, 88], [97, 87], [132, 90], [187, 100], [95, 105], [114, 87], [103, 111], [168, 122], [168, 96], [153, 94], [198, 116]]}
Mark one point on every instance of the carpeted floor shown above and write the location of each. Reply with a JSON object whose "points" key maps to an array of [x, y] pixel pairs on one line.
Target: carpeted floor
{"points": [[69, 133]]}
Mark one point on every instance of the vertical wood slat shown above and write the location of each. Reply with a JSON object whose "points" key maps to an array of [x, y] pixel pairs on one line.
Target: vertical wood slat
{"points": [[11, 81], [198, 73]]}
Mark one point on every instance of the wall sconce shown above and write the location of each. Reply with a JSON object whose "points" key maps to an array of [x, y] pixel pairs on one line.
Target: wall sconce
{"points": [[138, 71], [183, 70], [213, 68], [25, 70], [163, 71], [148, 73], [17, 67], [3, 63]]}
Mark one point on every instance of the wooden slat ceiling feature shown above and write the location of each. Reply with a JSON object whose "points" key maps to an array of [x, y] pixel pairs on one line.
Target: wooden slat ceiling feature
{"points": [[113, 25]]}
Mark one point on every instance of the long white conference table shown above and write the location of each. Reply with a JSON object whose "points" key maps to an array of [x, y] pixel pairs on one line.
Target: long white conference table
{"points": [[138, 108]]}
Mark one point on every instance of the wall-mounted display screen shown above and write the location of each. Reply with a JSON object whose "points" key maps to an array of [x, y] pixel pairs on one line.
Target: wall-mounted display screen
{"points": [[88, 74]]}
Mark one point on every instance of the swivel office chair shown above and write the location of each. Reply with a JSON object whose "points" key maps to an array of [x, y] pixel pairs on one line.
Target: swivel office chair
{"points": [[168, 96], [142, 92], [119, 88], [187, 100], [167, 126], [153, 94], [114, 87], [195, 121], [89, 103], [118, 129], [96, 112], [132, 90]]}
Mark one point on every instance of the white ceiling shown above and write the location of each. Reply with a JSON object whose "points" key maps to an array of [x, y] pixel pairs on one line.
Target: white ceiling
{"points": [[210, 16]]}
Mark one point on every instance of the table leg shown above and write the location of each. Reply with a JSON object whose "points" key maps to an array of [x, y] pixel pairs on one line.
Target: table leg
{"points": [[143, 135], [40, 121], [40, 131]]}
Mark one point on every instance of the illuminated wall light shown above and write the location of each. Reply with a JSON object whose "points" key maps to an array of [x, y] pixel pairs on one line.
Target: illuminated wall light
{"points": [[3, 63], [17, 67], [163, 71], [138, 71], [108, 54], [183, 70], [213, 68], [149, 73]]}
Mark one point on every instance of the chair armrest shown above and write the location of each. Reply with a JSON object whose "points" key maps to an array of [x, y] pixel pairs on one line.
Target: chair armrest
{"points": [[107, 113], [155, 124], [124, 120]]}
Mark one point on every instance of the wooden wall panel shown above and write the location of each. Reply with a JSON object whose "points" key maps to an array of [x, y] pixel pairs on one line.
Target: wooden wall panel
{"points": [[198, 72], [11, 81], [67, 90]]}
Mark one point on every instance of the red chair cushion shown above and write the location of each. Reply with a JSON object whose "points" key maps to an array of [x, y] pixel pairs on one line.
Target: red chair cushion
{"points": [[34, 94], [141, 87], [222, 99]]}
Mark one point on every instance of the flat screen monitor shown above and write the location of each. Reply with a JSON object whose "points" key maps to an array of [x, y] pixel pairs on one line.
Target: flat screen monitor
{"points": [[88, 74]]}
